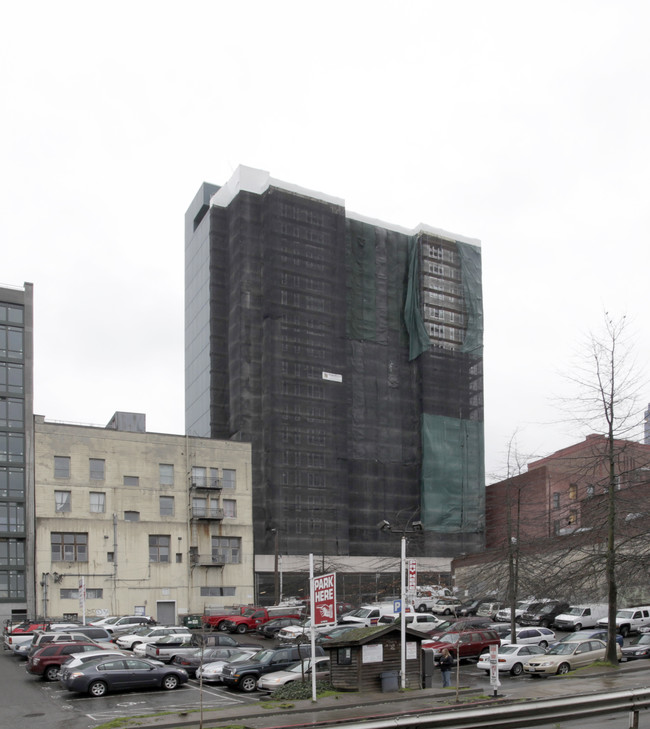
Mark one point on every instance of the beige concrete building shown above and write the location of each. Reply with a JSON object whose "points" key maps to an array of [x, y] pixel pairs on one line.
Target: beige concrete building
{"points": [[140, 522]]}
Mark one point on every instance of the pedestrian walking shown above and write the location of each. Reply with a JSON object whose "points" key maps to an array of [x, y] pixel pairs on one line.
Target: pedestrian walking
{"points": [[446, 662]]}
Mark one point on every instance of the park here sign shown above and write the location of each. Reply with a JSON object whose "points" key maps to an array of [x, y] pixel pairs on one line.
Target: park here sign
{"points": [[324, 607]]}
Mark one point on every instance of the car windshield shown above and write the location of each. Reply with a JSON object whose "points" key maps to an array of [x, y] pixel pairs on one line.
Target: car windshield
{"points": [[575, 611], [360, 613], [547, 608], [110, 621], [624, 613], [142, 631], [562, 649], [643, 639], [176, 639], [249, 612]]}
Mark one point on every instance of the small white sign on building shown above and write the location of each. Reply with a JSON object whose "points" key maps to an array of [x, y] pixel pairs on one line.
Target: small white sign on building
{"points": [[332, 377]]}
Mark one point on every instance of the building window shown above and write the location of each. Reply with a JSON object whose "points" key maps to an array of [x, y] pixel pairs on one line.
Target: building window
{"points": [[12, 517], [573, 491], [92, 593], [199, 506], [229, 481], [166, 506], [556, 500], [61, 466], [12, 552], [226, 550], [590, 490], [159, 547], [11, 378], [131, 516], [12, 584], [217, 592], [97, 502], [11, 413], [110, 556], [97, 469], [166, 471], [230, 508], [12, 483], [573, 517], [179, 557], [12, 447], [69, 547], [131, 480], [199, 477], [62, 501]]}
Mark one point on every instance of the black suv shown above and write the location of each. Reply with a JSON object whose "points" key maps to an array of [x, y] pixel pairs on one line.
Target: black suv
{"points": [[243, 676], [543, 614]]}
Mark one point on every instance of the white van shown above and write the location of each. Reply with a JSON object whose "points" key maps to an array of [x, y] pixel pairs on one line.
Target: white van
{"points": [[629, 620], [581, 616]]}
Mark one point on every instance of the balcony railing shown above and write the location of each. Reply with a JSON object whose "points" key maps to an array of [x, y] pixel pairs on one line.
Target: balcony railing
{"points": [[211, 484], [206, 560], [207, 512]]}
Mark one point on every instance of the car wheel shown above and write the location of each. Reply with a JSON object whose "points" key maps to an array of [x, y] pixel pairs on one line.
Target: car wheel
{"points": [[170, 682], [422, 608], [241, 628], [248, 684], [302, 639], [563, 668], [97, 688], [624, 631], [51, 673], [447, 611], [517, 669], [223, 626], [133, 645], [577, 627], [543, 644]]}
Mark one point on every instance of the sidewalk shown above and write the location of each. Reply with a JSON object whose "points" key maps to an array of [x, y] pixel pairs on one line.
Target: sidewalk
{"points": [[376, 705]]}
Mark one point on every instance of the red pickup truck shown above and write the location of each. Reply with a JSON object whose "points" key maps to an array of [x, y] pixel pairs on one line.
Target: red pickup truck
{"points": [[254, 617], [214, 619]]}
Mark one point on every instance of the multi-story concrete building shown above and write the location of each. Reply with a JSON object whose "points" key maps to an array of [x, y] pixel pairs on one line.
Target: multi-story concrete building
{"points": [[148, 522], [16, 451], [348, 352]]}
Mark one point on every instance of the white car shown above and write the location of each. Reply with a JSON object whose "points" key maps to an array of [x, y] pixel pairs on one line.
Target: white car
{"points": [[125, 622], [510, 658], [503, 615], [542, 637], [212, 672], [300, 633], [296, 672], [150, 635]]}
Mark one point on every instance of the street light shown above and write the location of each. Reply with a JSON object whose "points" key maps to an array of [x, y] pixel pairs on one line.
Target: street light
{"points": [[416, 526]]}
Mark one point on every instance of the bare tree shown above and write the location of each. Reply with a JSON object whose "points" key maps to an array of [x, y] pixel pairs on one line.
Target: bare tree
{"points": [[606, 402]]}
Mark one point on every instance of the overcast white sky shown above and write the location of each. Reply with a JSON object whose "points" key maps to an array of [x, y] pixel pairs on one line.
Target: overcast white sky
{"points": [[522, 124]]}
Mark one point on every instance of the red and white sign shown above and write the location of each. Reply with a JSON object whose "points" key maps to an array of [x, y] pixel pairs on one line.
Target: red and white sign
{"points": [[324, 607], [413, 576]]}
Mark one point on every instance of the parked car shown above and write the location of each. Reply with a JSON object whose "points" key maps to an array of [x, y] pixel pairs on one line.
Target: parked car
{"points": [[126, 622], [271, 628], [455, 624], [41, 638], [252, 618], [244, 676], [170, 646], [489, 610], [597, 633], [150, 635], [470, 607], [568, 655], [193, 660], [213, 672], [47, 660], [368, 615], [629, 620], [545, 615], [503, 615], [300, 633], [96, 633], [297, 672], [531, 636], [578, 617], [334, 633], [464, 643], [122, 674], [417, 621], [638, 647], [510, 658], [445, 606]]}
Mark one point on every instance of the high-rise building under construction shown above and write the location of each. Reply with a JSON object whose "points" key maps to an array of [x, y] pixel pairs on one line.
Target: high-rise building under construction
{"points": [[348, 351]]}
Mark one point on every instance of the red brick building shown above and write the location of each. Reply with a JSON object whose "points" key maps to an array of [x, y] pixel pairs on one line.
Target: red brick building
{"points": [[562, 493]]}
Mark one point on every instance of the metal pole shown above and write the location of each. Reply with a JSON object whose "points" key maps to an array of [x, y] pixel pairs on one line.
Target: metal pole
{"points": [[312, 628], [403, 621]]}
